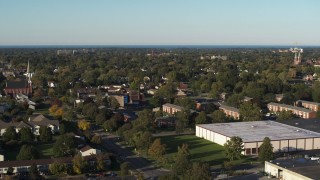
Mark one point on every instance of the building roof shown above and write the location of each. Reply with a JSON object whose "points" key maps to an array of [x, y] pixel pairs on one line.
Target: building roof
{"points": [[309, 102], [41, 120], [20, 163], [222, 106], [257, 130], [86, 148], [310, 124], [305, 167], [291, 107], [17, 84], [173, 106]]}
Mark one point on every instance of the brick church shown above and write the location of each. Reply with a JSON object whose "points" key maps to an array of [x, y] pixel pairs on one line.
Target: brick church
{"points": [[23, 85]]}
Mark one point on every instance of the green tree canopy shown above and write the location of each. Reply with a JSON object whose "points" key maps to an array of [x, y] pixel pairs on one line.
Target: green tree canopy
{"points": [[202, 118], [26, 135], [64, 146], [250, 112], [45, 134], [182, 160], [234, 148], [218, 116], [285, 115], [266, 150], [27, 152], [10, 134]]}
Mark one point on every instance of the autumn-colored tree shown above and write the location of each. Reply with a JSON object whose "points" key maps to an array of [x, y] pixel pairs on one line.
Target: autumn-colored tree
{"points": [[83, 125], [53, 109], [78, 164], [56, 111], [157, 150]]}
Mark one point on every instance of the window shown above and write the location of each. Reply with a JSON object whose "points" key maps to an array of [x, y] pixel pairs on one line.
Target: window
{"points": [[254, 151], [248, 151]]}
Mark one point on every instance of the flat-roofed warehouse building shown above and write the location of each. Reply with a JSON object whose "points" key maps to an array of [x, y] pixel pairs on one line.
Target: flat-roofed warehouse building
{"points": [[284, 138]]}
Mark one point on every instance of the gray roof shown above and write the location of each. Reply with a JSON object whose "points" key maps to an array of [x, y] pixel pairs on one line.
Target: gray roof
{"points": [[222, 106], [309, 102], [291, 107], [173, 106], [305, 167], [17, 84], [41, 120], [257, 130]]}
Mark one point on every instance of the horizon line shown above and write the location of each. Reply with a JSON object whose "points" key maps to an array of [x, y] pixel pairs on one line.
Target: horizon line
{"points": [[152, 45]]}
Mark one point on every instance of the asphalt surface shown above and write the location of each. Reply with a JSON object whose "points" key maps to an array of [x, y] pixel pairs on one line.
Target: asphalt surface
{"points": [[139, 163]]}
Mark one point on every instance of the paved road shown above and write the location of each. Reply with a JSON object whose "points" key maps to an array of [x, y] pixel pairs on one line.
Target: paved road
{"points": [[138, 163]]}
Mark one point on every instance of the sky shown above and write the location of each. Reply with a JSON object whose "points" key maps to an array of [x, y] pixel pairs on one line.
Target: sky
{"points": [[160, 22]]}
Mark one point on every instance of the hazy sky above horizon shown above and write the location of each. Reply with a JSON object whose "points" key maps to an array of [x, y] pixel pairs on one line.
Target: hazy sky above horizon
{"points": [[159, 22]]}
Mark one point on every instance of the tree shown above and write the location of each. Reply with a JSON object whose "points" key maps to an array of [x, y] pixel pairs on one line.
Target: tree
{"points": [[198, 171], [266, 150], [101, 165], [26, 135], [33, 171], [234, 148], [96, 139], [218, 116], [79, 164], [45, 134], [182, 121], [113, 103], [250, 112], [157, 150], [285, 115], [185, 102], [142, 139], [201, 118], [182, 160], [57, 168], [83, 125], [10, 134], [315, 91], [10, 171], [27, 152], [64, 146], [124, 169], [116, 121]]}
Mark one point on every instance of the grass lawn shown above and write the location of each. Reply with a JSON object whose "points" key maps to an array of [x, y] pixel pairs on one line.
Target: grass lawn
{"points": [[200, 149], [45, 151]]}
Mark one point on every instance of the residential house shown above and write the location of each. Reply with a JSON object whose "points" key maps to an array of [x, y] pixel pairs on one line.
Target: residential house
{"points": [[34, 124], [301, 112], [171, 108], [224, 96], [247, 99], [230, 111], [88, 151], [314, 106], [152, 91], [23, 166], [135, 97], [40, 120], [166, 121], [279, 97]]}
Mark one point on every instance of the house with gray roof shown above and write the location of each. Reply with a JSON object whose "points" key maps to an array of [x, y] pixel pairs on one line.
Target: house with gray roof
{"points": [[34, 124]]}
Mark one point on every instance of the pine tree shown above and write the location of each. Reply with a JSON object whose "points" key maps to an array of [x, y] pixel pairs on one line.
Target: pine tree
{"points": [[266, 150]]}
